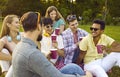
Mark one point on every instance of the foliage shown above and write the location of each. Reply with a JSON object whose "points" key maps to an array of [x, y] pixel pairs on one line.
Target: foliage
{"points": [[88, 9], [87, 16], [20, 6], [114, 8], [3, 4]]}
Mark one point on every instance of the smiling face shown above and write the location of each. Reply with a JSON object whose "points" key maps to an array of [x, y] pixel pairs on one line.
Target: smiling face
{"points": [[53, 15], [48, 29], [14, 25], [96, 30], [73, 25]]}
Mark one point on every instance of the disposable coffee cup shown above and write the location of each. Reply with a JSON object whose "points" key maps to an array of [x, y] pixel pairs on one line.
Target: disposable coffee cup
{"points": [[57, 31], [53, 53], [53, 38], [99, 49]]}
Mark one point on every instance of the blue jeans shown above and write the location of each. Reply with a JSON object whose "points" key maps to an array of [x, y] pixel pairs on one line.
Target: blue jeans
{"points": [[72, 69]]}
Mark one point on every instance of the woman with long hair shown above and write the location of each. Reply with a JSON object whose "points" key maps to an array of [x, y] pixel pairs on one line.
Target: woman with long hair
{"points": [[58, 20], [9, 37]]}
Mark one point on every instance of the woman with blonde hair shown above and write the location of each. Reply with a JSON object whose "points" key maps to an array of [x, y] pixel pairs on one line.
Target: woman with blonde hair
{"points": [[58, 20], [9, 37]]}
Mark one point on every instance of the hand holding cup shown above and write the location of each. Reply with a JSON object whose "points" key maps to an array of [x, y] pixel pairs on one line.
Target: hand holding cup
{"points": [[53, 38], [99, 49], [53, 53], [57, 31]]}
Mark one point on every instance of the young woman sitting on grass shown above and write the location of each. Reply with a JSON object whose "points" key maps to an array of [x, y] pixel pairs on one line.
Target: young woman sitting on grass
{"points": [[9, 37]]}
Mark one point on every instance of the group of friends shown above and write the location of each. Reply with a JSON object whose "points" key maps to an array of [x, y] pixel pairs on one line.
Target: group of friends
{"points": [[27, 54]]}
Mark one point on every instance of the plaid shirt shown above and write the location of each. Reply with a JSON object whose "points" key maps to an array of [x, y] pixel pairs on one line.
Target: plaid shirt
{"points": [[69, 45]]}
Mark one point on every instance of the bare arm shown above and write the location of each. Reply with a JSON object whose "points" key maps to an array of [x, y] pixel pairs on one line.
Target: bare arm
{"points": [[80, 57], [115, 47], [62, 28], [1, 45], [40, 65], [4, 56], [59, 51]]}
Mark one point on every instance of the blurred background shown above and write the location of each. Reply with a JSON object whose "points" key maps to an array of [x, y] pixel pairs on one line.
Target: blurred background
{"points": [[86, 10]]}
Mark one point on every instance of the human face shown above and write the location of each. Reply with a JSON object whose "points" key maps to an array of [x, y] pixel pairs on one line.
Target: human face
{"points": [[95, 30], [14, 25], [73, 25], [53, 15], [48, 29]]}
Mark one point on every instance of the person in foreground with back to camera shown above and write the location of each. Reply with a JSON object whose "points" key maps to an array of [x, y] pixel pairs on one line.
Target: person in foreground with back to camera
{"points": [[9, 37], [71, 38], [93, 48], [27, 60]]}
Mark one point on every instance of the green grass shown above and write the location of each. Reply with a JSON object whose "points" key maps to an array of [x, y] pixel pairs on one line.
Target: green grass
{"points": [[112, 31]]}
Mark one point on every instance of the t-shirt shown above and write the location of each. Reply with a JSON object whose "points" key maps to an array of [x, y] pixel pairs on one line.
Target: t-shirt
{"points": [[46, 45], [58, 23], [88, 45]]}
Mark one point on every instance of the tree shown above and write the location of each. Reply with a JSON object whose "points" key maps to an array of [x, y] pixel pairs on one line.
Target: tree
{"points": [[99, 8]]}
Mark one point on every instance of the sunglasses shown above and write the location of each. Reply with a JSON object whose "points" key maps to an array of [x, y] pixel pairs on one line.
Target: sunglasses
{"points": [[95, 29], [71, 18], [48, 26], [38, 19]]}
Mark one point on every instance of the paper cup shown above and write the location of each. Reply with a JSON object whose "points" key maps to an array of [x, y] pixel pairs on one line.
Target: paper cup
{"points": [[57, 31], [53, 38], [53, 53], [99, 49]]}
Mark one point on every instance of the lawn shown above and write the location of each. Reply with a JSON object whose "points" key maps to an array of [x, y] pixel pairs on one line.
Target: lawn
{"points": [[112, 31]]}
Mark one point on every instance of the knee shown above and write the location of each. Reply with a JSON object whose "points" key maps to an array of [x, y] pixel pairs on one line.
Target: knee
{"points": [[72, 69], [96, 67], [114, 53], [5, 51], [73, 66], [93, 69]]}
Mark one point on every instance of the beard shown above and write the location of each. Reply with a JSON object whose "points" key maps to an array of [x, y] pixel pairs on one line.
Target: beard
{"points": [[39, 37]]}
